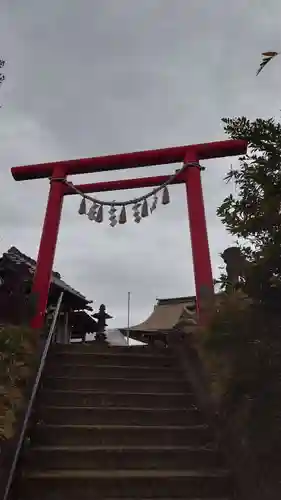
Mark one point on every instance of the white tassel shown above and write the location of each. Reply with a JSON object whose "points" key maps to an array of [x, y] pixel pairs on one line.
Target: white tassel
{"points": [[92, 211], [154, 204], [83, 207], [166, 196], [144, 209], [99, 217], [123, 216]]}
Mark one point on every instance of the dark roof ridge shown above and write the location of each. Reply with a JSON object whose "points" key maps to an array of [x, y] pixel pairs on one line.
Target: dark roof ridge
{"points": [[16, 256]]}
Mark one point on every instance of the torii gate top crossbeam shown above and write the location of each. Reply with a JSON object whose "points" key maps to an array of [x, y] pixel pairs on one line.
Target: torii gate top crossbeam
{"points": [[130, 160]]}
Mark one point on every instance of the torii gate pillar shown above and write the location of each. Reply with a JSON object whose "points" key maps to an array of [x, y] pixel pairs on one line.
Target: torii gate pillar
{"points": [[203, 276]]}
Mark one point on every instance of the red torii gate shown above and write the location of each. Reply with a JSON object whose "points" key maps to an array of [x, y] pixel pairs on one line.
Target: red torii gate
{"points": [[57, 172]]}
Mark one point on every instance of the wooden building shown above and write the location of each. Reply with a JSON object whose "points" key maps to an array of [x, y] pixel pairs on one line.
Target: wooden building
{"points": [[168, 315], [17, 304]]}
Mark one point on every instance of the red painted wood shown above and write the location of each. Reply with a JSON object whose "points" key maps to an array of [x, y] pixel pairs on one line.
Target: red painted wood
{"points": [[199, 236], [141, 182], [131, 160], [47, 247]]}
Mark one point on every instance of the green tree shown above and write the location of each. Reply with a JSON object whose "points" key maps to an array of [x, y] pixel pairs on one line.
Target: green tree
{"points": [[243, 338], [253, 215]]}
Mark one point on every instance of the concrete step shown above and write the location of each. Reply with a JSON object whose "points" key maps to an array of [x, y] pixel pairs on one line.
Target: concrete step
{"points": [[121, 457], [105, 348], [63, 368], [115, 415], [120, 399], [91, 357], [160, 385], [89, 484], [133, 435]]}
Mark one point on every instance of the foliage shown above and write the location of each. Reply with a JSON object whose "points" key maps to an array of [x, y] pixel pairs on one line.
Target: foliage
{"points": [[242, 343], [266, 58], [253, 215], [17, 360], [243, 347]]}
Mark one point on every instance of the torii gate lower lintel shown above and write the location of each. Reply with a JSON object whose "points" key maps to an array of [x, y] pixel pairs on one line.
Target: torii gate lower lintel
{"points": [[191, 176]]}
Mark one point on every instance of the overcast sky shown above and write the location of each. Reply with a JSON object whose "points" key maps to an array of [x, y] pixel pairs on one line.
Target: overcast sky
{"points": [[92, 77]]}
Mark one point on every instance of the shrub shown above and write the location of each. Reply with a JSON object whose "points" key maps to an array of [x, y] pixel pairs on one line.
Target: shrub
{"points": [[242, 351], [18, 348]]}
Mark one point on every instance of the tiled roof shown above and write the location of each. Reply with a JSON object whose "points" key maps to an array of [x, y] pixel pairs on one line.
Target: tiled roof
{"points": [[164, 317], [169, 314], [20, 258], [178, 300], [190, 300]]}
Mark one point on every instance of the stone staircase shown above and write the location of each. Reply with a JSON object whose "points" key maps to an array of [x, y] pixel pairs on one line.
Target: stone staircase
{"points": [[118, 423]]}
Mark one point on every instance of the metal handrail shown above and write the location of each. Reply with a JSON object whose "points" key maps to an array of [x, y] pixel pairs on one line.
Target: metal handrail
{"points": [[32, 399]]}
